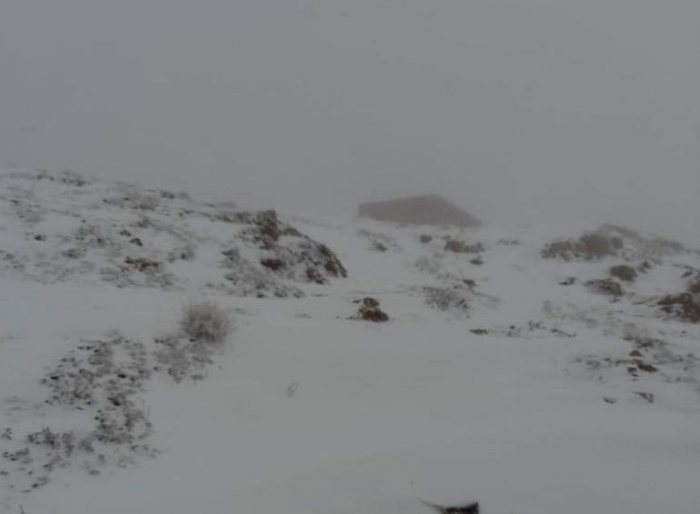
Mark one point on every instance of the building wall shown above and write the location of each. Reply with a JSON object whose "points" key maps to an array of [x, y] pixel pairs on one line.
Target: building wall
{"points": [[425, 210]]}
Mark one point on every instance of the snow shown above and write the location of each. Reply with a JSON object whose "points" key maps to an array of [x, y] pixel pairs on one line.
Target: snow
{"points": [[306, 410]]}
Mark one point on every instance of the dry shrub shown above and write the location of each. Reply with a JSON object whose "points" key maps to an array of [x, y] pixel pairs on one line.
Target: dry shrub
{"points": [[606, 286], [370, 311], [314, 276], [613, 240], [332, 265], [205, 322], [645, 246], [143, 265], [648, 397], [694, 287], [624, 272], [684, 306], [589, 247], [272, 264], [448, 299], [270, 227], [599, 245], [287, 255], [457, 246], [379, 242]]}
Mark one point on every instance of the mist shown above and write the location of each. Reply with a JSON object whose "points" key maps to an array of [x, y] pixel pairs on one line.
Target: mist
{"points": [[546, 111]]}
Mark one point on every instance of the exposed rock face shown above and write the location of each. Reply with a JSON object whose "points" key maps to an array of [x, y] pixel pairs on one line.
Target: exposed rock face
{"points": [[72, 229]]}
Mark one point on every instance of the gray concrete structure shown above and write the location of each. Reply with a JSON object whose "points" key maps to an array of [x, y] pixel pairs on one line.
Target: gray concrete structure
{"points": [[420, 210]]}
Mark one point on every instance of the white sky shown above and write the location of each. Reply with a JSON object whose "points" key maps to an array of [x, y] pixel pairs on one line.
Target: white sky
{"points": [[540, 110]]}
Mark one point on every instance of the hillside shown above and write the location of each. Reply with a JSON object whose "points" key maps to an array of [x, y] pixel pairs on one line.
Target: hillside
{"points": [[534, 372]]}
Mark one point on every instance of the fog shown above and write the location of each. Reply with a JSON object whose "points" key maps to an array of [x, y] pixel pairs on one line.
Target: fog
{"points": [[541, 111]]}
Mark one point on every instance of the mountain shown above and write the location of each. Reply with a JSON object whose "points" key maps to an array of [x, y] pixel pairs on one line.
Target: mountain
{"points": [[370, 367]]}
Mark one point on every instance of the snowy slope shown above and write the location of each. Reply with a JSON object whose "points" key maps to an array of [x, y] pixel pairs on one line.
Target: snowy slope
{"points": [[500, 377]]}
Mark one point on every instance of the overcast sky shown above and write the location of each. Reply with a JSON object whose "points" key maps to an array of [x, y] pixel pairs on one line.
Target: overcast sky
{"points": [[539, 110]]}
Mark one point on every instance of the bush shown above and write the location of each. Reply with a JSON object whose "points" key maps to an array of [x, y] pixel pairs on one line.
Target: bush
{"points": [[205, 322], [694, 287], [606, 286], [684, 306], [457, 246], [379, 242], [612, 241], [447, 299], [370, 311], [589, 247], [623, 272]]}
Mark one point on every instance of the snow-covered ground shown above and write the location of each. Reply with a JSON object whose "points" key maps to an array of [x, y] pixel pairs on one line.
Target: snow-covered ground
{"points": [[501, 376]]}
